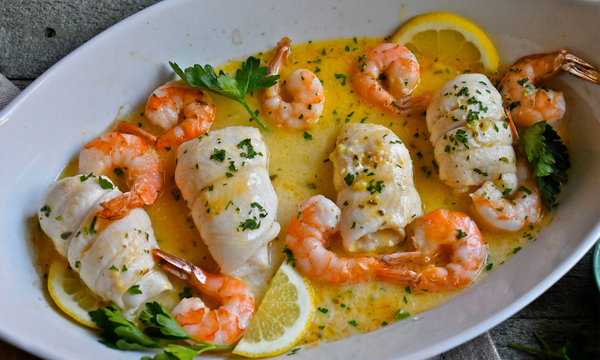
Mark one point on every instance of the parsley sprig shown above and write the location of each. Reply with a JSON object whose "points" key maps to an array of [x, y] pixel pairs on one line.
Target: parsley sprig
{"points": [[161, 330], [569, 351], [250, 77], [548, 156]]}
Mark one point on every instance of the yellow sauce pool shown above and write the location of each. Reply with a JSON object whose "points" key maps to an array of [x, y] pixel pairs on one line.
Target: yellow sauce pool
{"points": [[299, 168]]}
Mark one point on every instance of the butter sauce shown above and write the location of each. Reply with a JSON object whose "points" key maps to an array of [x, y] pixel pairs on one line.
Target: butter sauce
{"points": [[299, 168]]}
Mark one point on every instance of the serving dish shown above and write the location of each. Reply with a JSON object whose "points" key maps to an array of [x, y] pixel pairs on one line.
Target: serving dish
{"points": [[78, 98]]}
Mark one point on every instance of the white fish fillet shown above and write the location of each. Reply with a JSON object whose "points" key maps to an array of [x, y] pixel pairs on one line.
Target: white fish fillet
{"points": [[224, 178], [373, 175], [472, 142], [112, 255]]}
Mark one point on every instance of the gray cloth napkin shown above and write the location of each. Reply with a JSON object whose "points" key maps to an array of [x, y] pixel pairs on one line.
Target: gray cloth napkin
{"points": [[480, 348]]}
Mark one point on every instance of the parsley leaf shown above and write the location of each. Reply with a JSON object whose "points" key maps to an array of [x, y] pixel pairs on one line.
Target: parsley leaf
{"points": [[105, 183], [570, 351], [250, 77], [160, 329], [290, 255], [549, 159]]}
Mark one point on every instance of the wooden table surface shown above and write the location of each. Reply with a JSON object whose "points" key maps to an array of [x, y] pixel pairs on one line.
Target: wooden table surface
{"points": [[35, 34]]}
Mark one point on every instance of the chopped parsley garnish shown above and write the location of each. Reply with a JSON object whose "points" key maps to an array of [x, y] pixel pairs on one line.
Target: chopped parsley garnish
{"points": [[176, 194], [516, 250], [323, 310], [185, 294], [407, 289], [249, 224], [378, 187], [353, 323], [522, 81], [341, 76], [290, 255], [349, 179], [549, 159], [105, 183], [45, 210], [118, 172], [489, 267], [262, 212], [219, 155], [478, 171], [460, 234], [307, 136], [134, 290], [401, 314], [65, 235], [250, 77], [91, 230], [113, 268], [84, 177], [250, 153], [513, 105], [124, 268]]}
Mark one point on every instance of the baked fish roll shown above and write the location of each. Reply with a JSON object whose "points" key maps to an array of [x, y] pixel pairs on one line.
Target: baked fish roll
{"points": [[373, 174], [472, 140], [224, 177], [112, 257]]}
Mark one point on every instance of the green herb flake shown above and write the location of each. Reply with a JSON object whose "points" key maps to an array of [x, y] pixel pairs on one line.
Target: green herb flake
{"points": [[401, 314], [105, 183], [134, 290]]}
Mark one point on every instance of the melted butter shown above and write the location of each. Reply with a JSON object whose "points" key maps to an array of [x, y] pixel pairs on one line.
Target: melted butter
{"points": [[299, 168]]}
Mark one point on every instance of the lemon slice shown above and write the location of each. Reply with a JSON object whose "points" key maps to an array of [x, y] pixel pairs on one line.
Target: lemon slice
{"points": [[450, 39], [282, 318], [71, 295]]}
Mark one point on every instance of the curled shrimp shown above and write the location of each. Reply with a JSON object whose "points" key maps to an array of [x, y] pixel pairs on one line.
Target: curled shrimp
{"points": [[184, 112], [440, 234], [509, 210], [139, 163], [308, 236], [302, 86], [222, 326], [387, 75], [528, 104]]}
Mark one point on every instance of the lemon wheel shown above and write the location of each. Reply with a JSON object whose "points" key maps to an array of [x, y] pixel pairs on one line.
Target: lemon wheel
{"points": [[71, 295], [282, 318], [449, 39]]}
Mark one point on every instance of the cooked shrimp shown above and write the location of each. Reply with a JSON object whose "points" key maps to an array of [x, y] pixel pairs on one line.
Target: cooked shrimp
{"points": [[304, 89], [528, 104], [138, 162], [510, 209], [308, 236], [387, 75], [222, 326], [439, 232], [183, 111]]}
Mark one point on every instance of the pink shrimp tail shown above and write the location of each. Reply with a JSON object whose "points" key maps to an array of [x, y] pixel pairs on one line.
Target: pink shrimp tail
{"points": [[119, 207], [283, 50], [413, 104], [127, 128], [397, 275]]}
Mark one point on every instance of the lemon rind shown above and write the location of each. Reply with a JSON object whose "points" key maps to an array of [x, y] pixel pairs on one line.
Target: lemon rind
{"points": [[448, 21], [300, 327], [55, 278]]}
